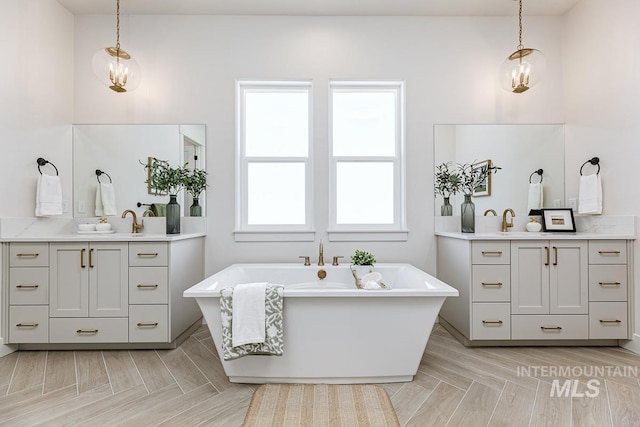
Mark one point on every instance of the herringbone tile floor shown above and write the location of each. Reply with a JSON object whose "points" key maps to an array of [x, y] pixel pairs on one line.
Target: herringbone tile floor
{"points": [[455, 386]]}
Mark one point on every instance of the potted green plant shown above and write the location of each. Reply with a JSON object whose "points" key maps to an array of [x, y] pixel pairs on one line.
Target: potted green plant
{"points": [[472, 176], [163, 179], [447, 184], [361, 263], [195, 183]]}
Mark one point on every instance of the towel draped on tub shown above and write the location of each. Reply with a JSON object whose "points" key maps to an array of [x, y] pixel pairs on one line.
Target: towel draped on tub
{"points": [[273, 343]]}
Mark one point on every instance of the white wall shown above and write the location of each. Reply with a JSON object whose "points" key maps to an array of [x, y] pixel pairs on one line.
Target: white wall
{"points": [[601, 72], [36, 96], [190, 64]]}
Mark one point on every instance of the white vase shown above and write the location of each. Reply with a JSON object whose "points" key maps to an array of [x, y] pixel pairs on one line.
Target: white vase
{"points": [[533, 225]]}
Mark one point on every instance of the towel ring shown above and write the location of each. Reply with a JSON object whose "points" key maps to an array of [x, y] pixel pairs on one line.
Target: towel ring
{"points": [[539, 172], [99, 172], [594, 161], [42, 162]]}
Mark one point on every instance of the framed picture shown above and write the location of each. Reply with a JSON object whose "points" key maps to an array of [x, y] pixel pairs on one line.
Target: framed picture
{"points": [[558, 219], [150, 188], [484, 187]]}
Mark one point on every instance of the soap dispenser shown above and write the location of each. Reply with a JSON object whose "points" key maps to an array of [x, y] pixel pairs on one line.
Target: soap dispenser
{"points": [[533, 225]]}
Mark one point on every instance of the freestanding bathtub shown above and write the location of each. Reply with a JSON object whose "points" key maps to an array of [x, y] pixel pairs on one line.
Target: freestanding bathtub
{"points": [[333, 332]]}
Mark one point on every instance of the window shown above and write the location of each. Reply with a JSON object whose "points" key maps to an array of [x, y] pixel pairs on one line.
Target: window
{"points": [[274, 164], [367, 160]]}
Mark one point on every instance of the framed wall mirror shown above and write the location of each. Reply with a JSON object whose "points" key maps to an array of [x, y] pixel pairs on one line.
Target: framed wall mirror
{"points": [[519, 150], [122, 151]]}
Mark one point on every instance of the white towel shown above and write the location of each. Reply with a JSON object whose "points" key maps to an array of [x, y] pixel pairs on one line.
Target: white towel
{"points": [[248, 326], [99, 206], [108, 199], [590, 195], [535, 196], [48, 195]]}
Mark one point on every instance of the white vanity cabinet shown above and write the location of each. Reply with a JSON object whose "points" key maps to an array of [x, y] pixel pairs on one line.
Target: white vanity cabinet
{"points": [[88, 292], [101, 294], [533, 290]]}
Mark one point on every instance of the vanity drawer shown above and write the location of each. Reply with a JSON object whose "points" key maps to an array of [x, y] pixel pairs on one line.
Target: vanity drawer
{"points": [[148, 323], [28, 324], [88, 330], [546, 327], [28, 286], [29, 255], [490, 252], [607, 252], [608, 320], [148, 254], [148, 285], [491, 321], [608, 283], [491, 283]]}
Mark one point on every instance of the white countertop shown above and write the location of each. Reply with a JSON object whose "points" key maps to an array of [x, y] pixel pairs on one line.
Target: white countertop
{"points": [[524, 235], [103, 237]]}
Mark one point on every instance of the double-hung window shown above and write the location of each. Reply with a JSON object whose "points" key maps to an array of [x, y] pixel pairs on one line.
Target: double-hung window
{"points": [[274, 188], [366, 123]]}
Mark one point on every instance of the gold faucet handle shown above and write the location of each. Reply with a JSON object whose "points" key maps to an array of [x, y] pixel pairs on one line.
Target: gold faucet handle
{"points": [[335, 260], [307, 259]]}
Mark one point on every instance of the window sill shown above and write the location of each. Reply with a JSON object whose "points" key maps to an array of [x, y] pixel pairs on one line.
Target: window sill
{"points": [[368, 235], [274, 236]]}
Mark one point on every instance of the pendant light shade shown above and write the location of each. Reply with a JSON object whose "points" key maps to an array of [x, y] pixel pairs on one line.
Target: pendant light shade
{"points": [[114, 67], [524, 68]]}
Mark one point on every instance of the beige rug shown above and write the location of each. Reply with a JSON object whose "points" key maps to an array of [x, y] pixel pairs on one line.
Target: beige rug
{"points": [[274, 405]]}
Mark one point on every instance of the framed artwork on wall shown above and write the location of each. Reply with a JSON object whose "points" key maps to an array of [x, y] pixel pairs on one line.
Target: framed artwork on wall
{"points": [[484, 188], [558, 219]]}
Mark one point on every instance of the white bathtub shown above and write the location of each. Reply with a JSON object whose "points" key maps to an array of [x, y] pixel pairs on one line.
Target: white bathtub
{"points": [[333, 332]]}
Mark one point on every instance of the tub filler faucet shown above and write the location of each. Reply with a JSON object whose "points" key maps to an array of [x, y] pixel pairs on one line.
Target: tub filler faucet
{"points": [[321, 255]]}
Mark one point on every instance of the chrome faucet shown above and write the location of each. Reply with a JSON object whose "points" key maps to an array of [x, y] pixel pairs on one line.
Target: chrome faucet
{"points": [[321, 255], [135, 227], [506, 225]]}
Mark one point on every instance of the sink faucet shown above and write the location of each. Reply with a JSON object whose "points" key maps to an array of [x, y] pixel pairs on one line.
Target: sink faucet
{"points": [[134, 224], [506, 225], [321, 255], [488, 211]]}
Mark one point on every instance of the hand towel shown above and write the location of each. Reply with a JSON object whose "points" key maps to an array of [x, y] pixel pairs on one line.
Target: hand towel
{"points": [[248, 325], [535, 198], [159, 209], [590, 195], [99, 206], [108, 199], [274, 341], [48, 195]]}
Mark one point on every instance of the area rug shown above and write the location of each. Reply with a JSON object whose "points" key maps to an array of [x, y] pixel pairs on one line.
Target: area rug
{"points": [[363, 405]]}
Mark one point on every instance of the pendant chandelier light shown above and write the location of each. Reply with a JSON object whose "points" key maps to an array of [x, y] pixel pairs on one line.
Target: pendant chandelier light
{"points": [[114, 67], [524, 68]]}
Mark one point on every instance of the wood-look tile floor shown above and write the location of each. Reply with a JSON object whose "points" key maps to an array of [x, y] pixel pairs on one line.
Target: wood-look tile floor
{"points": [[455, 386]]}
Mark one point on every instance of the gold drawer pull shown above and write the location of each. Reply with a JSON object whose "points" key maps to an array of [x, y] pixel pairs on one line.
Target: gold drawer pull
{"points": [[609, 252], [492, 322], [498, 284], [147, 324], [551, 328], [498, 253], [149, 254], [610, 321], [609, 283], [145, 286], [27, 325], [27, 255], [27, 286], [87, 331]]}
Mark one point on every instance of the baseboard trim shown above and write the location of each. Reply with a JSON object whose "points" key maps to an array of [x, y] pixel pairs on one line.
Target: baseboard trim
{"points": [[6, 349], [633, 344]]}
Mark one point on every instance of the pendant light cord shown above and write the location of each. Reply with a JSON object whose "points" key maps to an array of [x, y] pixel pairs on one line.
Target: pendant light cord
{"points": [[118, 25], [520, 45]]}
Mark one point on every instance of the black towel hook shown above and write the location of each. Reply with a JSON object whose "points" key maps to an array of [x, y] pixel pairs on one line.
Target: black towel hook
{"points": [[539, 172], [41, 162], [594, 161], [99, 172]]}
